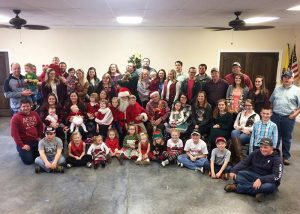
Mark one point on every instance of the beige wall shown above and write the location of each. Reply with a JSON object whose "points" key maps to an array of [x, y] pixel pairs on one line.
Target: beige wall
{"points": [[82, 48]]}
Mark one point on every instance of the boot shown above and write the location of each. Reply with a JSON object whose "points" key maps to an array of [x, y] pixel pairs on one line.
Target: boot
{"points": [[237, 149], [108, 158]]}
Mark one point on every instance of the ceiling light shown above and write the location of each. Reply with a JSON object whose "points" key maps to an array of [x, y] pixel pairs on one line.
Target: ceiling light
{"points": [[256, 20], [294, 8], [4, 19], [129, 19]]}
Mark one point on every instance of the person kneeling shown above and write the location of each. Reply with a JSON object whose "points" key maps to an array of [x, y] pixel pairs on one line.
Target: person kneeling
{"points": [[50, 149], [196, 153], [259, 174]]}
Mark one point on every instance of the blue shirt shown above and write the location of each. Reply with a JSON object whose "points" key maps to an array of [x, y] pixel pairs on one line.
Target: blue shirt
{"points": [[285, 100]]}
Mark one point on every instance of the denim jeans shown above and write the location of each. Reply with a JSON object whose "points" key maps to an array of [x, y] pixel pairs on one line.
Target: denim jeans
{"points": [[186, 161], [28, 156], [40, 162], [244, 138], [217, 167], [285, 128], [245, 180]]}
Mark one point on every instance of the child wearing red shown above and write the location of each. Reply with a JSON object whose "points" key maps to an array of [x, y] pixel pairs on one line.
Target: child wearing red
{"points": [[104, 118], [112, 142], [99, 152], [143, 150], [119, 117], [158, 147], [76, 119]]}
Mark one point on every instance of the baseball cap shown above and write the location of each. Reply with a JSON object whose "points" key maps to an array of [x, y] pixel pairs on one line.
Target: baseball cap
{"points": [[49, 129], [287, 74], [266, 142], [219, 139], [214, 69], [236, 64], [195, 133]]}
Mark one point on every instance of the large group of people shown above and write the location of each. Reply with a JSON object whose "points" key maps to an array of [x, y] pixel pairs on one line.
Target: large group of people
{"points": [[227, 127]]}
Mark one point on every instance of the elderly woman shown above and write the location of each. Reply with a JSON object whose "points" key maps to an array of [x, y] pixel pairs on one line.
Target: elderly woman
{"points": [[82, 86], [53, 85]]}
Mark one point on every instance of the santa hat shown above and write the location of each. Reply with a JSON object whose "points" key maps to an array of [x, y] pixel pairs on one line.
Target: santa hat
{"points": [[123, 92], [157, 134], [145, 117]]}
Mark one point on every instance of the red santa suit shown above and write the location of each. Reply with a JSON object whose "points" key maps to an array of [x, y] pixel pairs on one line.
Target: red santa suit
{"points": [[134, 111]]}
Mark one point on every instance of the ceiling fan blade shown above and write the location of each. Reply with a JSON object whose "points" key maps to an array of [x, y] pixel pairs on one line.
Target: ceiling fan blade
{"points": [[253, 27], [6, 26], [218, 28], [36, 27]]}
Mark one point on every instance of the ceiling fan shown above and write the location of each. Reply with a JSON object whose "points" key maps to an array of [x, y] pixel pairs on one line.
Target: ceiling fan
{"points": [[239, 25], [19, 23]]}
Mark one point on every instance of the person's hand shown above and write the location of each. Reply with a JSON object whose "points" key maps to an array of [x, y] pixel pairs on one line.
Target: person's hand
{"points": [[232, 175], [196, 126], [213, 175], [48, 165], [193, 158], [139, 117], [26, 92], [54, 125], [26, 147], [89, 115], [292, 116], [216, 126], [66, 128], [158, 121], [257, 184], [53, 165], [246, 132], [218, 175]]}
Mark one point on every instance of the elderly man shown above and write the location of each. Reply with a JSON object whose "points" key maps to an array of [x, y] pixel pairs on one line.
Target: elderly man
{"points": [[152, 109], [236, 69], [215, 88], [26, 129], [259, 174], [202, 76], [191, 86], [286, 107], [15, 88]]}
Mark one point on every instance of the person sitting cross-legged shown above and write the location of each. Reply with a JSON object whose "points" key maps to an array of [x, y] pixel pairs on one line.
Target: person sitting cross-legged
{"points": [[259, 174]]}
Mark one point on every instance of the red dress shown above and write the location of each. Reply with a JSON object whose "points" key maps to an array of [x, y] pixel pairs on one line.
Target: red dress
{"points": [[76, 150], [144, 148], [113, 144], [92, 109]]}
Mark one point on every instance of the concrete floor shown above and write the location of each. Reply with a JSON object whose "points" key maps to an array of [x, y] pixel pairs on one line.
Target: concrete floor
{"points": [[131, 189]]}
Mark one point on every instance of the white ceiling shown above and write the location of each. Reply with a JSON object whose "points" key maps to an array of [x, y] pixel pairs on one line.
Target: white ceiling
{"points": [[156, 13]]}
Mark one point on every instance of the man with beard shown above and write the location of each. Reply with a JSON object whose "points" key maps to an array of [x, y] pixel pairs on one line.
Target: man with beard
{"points": [[145, 65], [63, 72]]}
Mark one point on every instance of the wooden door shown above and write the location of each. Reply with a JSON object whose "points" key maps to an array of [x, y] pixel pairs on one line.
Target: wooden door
{"points": [[253, 63], [4, 73]]}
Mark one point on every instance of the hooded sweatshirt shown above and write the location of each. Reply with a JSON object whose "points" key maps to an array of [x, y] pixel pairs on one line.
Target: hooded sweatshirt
{"points": [[268, 167]]}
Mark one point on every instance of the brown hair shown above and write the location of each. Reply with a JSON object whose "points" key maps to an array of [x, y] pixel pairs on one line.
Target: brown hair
{"points": [[217, 111]]}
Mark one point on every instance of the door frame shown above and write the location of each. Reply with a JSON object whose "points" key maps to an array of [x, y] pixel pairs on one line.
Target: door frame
{"points": [[278, 75]]}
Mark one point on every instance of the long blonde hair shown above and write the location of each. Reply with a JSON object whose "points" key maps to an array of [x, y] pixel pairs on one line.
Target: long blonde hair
{"points": [[82, 81]]}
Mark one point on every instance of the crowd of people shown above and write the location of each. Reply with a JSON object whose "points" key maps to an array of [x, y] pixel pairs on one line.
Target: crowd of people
{"points": [[229, 128]]}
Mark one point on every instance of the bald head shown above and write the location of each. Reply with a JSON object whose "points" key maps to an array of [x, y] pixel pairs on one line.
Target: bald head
{"points": [[15, 69]]}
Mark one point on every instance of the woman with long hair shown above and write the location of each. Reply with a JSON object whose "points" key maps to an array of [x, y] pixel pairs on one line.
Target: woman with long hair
{"points": [[114, 73], [162, 77], [171, 88], [259, 94], [92, 80], [107, 85], [82, 85], [53, 85]]}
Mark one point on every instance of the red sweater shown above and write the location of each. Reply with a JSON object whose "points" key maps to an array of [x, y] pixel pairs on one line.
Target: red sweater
{"points": [[26, 128], [112, 144], [92, 109], [71, 114], [133, 111]]}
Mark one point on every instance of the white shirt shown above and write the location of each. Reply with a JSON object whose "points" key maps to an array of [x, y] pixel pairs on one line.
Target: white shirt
{"points": [[196, 149]]}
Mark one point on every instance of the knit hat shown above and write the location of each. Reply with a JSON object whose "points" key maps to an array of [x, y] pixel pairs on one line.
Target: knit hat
{"points": [[123, 92], [157, 134]]}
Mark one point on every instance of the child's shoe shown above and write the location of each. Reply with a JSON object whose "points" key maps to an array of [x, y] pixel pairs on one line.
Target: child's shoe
{"points": [[69, 166], [165, 162], [96, 165], [89, 165], [59, 169], [200, 169], [37, 169]]}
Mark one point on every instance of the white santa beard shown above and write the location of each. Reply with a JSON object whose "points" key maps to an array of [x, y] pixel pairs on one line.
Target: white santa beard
{"points": [[123, 105]]}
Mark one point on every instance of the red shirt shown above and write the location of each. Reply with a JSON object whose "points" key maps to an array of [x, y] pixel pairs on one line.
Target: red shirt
{"points": [[77, 150], [92, 109], [113, 144], [133, 111], [26, 128], [190, 86]]}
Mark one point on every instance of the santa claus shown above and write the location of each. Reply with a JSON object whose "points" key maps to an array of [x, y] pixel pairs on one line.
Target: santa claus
{"points": [[123, 96]]}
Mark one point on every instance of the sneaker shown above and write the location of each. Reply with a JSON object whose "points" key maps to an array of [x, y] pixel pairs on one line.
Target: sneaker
{"points": [[69, 166], [89, 165], [260, 197], [230, 188], [37, 169], [286, 161], [120, 159], [200, 169], [165, 162], [96, 166], [146, 162], [60, 169]]}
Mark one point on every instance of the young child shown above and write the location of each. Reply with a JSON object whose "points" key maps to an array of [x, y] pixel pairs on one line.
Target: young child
{"points": [[99, 152], [52, 116], [119, 117], [76, 119], [158, 147], [143, 150], [92, 110], [55, 66], [220, 156], [154, 82], [176, 118], [196, 153], [160, 111], [174, 148], [76, 152], [32, 80], [130, 142], [50, 149], [112, 142], [71, 80], [104, 118]]}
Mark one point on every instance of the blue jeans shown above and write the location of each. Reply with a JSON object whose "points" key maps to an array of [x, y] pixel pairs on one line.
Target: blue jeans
{"points": [[244, 138], [285, 128], [245, 180], [28, 156], [217, 167], [186, 161], [40, 162]]}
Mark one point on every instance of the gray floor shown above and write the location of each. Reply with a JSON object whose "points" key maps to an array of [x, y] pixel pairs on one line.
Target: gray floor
{"points": [[131, 188]]}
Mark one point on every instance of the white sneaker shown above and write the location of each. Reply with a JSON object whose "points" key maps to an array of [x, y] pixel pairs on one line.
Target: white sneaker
{"points": [[165, 162], [89, 164], [69, 166], [200, 169]]}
